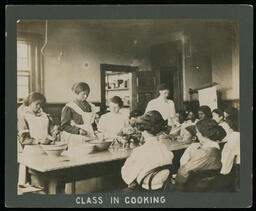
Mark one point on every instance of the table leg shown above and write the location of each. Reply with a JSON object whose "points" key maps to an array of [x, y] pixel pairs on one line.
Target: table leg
{"points": [[70, 188], [52, 186]]}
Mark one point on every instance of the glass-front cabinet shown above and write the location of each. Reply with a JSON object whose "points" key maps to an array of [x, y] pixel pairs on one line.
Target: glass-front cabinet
{"points": [[135, 88]]}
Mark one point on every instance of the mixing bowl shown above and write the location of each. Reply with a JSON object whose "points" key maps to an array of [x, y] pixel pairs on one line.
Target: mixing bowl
{"points": [[54, 149], [100, 145]]}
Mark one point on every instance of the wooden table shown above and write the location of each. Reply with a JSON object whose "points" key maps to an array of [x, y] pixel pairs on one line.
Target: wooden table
{"points": [[69, 169]]}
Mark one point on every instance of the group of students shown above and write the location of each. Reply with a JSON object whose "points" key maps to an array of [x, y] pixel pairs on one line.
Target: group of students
{"points": [[205, 130], [78, 122]]}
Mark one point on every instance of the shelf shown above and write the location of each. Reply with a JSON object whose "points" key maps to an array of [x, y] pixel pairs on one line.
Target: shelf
{"points": [[117, 89], [124, 106]]}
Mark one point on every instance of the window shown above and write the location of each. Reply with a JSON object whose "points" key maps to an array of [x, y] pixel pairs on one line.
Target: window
{"points": [[23, 69]]}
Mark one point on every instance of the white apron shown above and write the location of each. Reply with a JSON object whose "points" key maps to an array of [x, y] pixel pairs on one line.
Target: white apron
{"points": [[74, 143], [38, 129], [74, 140]]}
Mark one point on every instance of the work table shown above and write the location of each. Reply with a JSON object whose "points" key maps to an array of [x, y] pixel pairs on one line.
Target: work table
{"points": [[69, 169]]}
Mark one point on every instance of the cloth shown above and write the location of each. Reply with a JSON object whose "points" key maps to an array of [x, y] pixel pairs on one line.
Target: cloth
{"points": [[145, 158], [230, 152], [75, 114], [166, 109], [199, 157], [111, 124]]}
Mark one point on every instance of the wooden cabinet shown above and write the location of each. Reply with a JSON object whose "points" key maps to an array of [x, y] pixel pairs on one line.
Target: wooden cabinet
{"points": [[144, 89], [136, 88]]}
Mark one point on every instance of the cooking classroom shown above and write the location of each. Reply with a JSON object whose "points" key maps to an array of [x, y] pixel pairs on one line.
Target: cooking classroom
{"points": [[127, 105]]}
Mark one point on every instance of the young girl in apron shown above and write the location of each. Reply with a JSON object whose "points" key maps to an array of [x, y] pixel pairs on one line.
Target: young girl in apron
{"points": [[33, 129], [76, 122]]}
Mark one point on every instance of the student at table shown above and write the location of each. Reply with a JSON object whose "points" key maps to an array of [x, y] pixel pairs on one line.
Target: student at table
{"points": [[77, 116], [202, 156], [218, 116], [163, 105], [204, 112], [133, 117], [112, 123], [190, 120], [230, 157], [189, 135], [34, 127], [150, 155]]}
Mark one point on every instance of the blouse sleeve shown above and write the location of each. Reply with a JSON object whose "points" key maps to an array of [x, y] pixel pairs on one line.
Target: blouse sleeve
{"points": [[23, 132], [227, 158], [173, 112], [131, 168], [101, 123], [66, 118], [149, 107], [197, 161]]}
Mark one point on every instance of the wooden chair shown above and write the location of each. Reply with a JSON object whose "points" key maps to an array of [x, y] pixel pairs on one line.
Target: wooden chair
{"points": [[152, 174], [199, 181], [229, 182]]}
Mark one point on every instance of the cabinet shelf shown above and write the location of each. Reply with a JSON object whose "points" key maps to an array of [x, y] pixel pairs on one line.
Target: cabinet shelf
{"points": [[117, 89]]}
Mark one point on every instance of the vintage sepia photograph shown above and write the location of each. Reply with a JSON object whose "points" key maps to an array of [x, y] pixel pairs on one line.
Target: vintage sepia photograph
{"points": [[127, 105]]}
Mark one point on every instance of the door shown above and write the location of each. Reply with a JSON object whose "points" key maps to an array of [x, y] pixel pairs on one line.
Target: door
{"points": [[144, 87], [166, 62]]}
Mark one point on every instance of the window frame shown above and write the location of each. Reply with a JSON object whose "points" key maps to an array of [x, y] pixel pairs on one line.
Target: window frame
{"points": [[36, 73]]}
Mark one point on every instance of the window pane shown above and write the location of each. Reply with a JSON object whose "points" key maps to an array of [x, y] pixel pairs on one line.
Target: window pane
{"points": [[22, 91], [22, 86], [23, 56], [22, 81]]}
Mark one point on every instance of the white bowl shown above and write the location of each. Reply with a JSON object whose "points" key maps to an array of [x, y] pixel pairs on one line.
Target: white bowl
{"points": [[100, 145], [54, 150]]}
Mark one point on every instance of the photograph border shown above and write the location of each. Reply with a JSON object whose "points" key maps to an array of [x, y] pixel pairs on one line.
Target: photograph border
{"points": [[242, 13]]}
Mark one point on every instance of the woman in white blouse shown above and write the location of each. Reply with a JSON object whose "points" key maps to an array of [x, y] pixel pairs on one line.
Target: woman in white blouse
{"points": [[218, 116], [150, 155], [112, 123], [163, 105]]}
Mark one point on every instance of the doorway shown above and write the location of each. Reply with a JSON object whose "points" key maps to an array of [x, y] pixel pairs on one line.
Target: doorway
{"points": [[166, 62]]}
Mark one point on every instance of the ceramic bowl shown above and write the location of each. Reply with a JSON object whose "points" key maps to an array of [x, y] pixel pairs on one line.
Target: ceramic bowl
{"points": [[54, 150], [100, 145]]}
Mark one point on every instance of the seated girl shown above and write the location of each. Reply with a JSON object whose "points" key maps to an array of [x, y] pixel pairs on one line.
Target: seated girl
{"points": [[179, 119], [231, 149], [112, 123], [202, 156], [230, 157], [77, 116], [218, 116], [141, 160], [34, 128], [190, 120], [133, 117], [188, 136], [204, 112]]}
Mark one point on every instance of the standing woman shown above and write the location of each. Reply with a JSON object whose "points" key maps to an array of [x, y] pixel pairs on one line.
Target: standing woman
{"points": [[77, 116], [76, 122], [163, 105], [34, 128]]}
